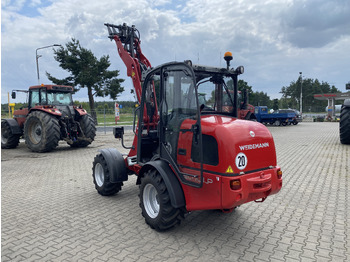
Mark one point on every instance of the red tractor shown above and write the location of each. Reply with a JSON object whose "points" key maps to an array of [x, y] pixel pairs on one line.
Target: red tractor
{"points": [[187, 155], [49, 117]]}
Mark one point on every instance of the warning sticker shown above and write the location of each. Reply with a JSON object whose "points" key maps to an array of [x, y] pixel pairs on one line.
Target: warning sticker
{"points": [[229, 170]]}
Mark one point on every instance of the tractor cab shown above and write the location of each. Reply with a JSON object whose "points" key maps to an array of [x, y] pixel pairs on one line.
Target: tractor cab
{"points": [[185, 93], [50, 95], [175, 84]]}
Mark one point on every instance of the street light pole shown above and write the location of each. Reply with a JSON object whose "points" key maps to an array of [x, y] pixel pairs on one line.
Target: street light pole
{"points": [[37, 58], [301, 92]]}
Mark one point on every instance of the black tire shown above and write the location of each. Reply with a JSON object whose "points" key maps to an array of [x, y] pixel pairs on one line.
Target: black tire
{"points": [[41, 132], [344, 125], [295, 122], [87, 124], [155, 203], [101, 177], [277, 123], [8, 140]]}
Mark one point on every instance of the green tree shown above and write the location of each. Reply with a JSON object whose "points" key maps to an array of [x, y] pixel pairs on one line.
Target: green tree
{"points": [[255, 98], [291, 94], [86, 71]]}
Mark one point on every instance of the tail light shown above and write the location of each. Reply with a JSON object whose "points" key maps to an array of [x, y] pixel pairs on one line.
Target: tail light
{"points": [[279, 174], [235, 184]]}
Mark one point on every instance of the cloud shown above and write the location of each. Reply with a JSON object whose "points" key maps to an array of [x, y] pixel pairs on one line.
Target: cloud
{"points": [[316, 23], [273, 39]]}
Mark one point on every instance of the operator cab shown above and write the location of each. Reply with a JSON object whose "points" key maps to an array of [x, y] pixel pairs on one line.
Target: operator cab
{"points": [[185, 92], [50, 95]]}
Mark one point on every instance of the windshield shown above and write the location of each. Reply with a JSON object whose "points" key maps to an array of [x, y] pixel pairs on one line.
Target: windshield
{"points": [[215, 94], [57, 98]]}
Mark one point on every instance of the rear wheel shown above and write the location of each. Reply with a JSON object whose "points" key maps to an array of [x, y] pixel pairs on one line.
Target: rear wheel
{"points": [[101, 176], [155, 203], [8, 139], [87, 124], [277, 123], [344, 125], [41, 131]]}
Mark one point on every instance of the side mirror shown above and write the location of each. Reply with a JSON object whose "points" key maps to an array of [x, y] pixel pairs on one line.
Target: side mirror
{"points": [[13, 95]]}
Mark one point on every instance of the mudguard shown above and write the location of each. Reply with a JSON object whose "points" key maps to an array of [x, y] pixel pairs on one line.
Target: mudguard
{"points": [[347, 102], [15, 128], [116, 165], [173, 185]]}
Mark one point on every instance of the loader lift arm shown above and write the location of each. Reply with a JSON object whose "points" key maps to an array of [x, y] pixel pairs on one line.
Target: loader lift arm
{"points": [[128, 42]]}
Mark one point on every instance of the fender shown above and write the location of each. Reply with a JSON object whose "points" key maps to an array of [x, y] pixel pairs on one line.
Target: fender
{"points": [[347, 102], [250, 116], [80, 111], [14, 126], [49, 110], [173, 185], [115, 164]]}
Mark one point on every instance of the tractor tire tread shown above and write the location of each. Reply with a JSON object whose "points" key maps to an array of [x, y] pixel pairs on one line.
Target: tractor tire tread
{"points": [[51, 133], [344, 125], [168, 215], [12, 140]]}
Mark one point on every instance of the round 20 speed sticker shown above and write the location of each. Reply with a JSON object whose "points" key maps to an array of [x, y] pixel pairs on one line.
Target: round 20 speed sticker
{"points": [[241, 161]]}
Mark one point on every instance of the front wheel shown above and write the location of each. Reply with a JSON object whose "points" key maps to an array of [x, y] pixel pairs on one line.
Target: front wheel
{"points": [[155, 203], [101, 177], [8, 139]]}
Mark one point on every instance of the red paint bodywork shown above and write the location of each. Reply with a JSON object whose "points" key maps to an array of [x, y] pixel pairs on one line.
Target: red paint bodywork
{"points": [[233, 136], [20, 115], [259, 178]]}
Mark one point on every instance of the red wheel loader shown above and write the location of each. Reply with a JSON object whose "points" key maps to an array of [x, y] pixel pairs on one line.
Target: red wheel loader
{"points": [[188, 153]]}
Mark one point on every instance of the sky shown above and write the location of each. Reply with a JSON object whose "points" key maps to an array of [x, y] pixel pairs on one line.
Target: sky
{"points": [[273, 39]]}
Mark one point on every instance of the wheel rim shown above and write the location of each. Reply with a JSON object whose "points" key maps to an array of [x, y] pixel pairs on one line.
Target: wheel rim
{"points": [[4, 135], [151, 200], [35, 132], [99, 175]]}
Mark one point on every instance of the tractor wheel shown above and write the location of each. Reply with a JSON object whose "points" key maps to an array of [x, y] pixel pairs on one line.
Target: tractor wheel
{"points": [[344, 125], [8, 140], [87, 124], [155, 203], [41, 132], [100, 174]]}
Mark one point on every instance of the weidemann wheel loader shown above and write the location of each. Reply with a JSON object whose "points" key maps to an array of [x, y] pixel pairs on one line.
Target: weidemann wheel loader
{"points": [[187, 155]]}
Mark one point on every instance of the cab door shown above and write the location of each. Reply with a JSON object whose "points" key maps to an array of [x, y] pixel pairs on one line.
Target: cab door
{"points": [[180, 117]]}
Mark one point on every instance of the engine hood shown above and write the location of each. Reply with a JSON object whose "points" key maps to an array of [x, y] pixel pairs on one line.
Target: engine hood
{"points": [[243, 146], [67, 111]]}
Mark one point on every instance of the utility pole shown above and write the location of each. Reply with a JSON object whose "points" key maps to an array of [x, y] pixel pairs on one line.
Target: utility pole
{"points": [[301, 92]]}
